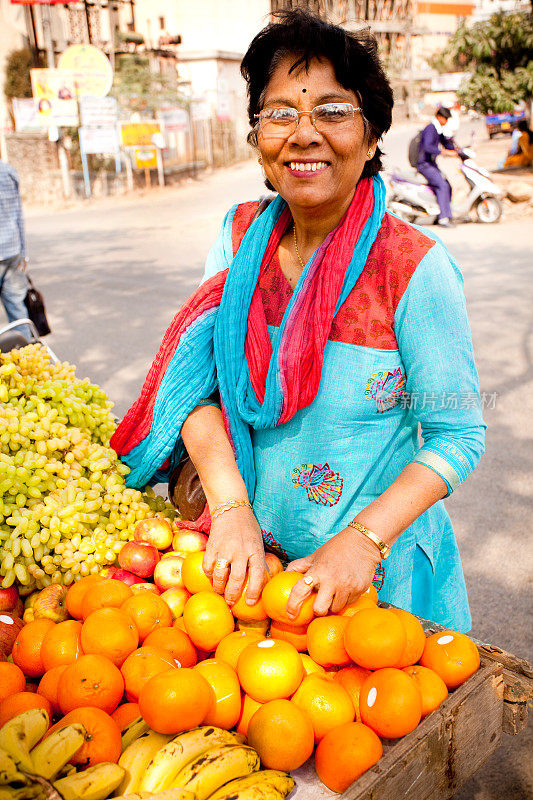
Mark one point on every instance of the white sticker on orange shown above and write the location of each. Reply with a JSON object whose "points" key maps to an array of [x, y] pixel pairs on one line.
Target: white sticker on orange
{"points": [[371, 699], [445, 639]]}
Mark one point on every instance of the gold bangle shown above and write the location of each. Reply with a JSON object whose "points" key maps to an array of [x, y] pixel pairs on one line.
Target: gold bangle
{"points": [[383, 548], [220, 509]]}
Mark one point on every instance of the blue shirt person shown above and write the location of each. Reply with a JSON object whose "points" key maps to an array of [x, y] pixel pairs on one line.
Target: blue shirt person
{"points": [[433, 142], [13, 282]]}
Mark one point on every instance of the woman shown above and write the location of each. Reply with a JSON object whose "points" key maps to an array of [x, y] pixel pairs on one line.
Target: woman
{"points": [[331, 331], [524, 153]]}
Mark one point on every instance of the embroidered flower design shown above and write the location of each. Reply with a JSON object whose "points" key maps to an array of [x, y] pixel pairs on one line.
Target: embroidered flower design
{"points": [[320, 482], [386, 388], [274, 546], [379, 577]]}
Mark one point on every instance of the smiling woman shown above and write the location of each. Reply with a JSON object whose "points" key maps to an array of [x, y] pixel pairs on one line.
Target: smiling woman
{"points": [[331, 332]]}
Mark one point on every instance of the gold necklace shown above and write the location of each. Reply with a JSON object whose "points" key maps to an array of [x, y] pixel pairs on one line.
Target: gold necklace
{"points": [[296, 247]]}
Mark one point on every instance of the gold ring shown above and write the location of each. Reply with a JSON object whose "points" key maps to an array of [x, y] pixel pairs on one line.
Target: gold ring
{"points": [[221, 563], [309, 580]]}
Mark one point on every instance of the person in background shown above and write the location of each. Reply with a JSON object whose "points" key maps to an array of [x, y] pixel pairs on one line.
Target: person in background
{"points": [[434, 142], [13, 282], [523, 155]]}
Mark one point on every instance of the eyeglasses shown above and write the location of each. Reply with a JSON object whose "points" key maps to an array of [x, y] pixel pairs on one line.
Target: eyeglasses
{"points": [[326, 119]]}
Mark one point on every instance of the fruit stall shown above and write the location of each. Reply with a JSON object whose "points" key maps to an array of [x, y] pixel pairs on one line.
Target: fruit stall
{"points": [[123, 674]]}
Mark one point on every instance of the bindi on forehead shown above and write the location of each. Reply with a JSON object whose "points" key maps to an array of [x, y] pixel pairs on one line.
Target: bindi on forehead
{"points": [[304, 91]]}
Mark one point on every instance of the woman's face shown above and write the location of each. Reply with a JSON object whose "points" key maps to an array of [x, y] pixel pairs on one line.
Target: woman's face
{"points": [[340, 156]]}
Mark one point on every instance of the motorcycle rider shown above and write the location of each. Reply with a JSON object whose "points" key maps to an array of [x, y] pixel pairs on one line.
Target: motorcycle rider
{"points": [[434, 142]]}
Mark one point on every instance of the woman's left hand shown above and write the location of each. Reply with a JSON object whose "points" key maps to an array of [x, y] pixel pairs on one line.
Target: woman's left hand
{"points": [[342, 569]]}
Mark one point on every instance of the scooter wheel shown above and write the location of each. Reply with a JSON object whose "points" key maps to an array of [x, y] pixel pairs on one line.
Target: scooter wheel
{"points": [[488, 209]]}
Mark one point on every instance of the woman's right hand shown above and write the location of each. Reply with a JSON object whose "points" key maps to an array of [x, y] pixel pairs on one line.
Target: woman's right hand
{"points": [[236, 538]]}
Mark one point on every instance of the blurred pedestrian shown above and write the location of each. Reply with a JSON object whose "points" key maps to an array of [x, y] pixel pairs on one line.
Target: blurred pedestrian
{"points": [[523, 156], [13, 281], [434, 142]]}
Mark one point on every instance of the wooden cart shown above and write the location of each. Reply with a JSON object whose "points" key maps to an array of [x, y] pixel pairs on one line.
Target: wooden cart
{"points": [[451, 744]]}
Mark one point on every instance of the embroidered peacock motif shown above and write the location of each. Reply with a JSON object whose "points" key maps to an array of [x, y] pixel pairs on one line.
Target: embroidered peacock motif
{"points": [[320, 482], [386, 388]]}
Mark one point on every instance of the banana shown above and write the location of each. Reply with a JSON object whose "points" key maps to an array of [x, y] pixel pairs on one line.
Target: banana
{"points": [[36, 788], [136, 758], [52, 753], [213, 769], [21, 733], [94, 783], [9, 772], [264, 783], [168, 794], [185, 747], [132, 731]]}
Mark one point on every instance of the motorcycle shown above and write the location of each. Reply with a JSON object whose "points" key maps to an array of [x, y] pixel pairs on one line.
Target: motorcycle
{"points": [[411, 199]]}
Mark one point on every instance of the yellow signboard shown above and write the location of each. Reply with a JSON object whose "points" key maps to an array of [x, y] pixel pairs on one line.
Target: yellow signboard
{"points": [[138, 134], [145, 157], [54, 93], [90, 67]]}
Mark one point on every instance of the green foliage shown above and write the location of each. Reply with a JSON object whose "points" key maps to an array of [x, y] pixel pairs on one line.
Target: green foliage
{"points": [[140, 89], [17, 81]]}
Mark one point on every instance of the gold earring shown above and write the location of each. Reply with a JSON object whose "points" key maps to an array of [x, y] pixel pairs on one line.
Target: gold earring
{"points": [[260, 160], [370, 153]]}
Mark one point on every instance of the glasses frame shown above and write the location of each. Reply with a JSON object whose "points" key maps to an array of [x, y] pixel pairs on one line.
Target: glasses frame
{"points": [[310, 114]]}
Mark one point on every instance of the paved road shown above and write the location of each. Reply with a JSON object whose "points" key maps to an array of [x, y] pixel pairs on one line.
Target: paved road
{"points": [[114, 273]]}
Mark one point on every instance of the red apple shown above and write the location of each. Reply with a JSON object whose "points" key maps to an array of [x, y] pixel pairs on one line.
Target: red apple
{"points": [[139, 558], [167, 574], [8, 598], [9, 630], [175, 599], [273, 563], [51, 603], [186, 542], [123, 575], [138, 588], [154, 531]]}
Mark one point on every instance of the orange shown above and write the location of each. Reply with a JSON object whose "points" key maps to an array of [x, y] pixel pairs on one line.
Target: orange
{"points": [[276, 595], [149, 612], [12, 680], [390, 703], [193, 575], [27, 647], [175, 700], [176, 643], [371, 592], [105, 593], [76, 593], [143, 664], [49, 686], [432, 688], [232, 645], [207, 620], [241, 610], [325, 641], [363, 601], [61, 644], [223, 680], [92, 680], [325, 702], [22, 701], [375, 638], [125, 713], [451, 655], [270, 670], [310, 666], [274, 565], [345, 753], [282, 735], [351, 679], [109, 632], [248, 708], [103, 741], [294, 634], [416, 638]]}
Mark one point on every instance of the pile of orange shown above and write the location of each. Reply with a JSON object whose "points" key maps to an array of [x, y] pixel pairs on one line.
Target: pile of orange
{"points": [[337, 683]]}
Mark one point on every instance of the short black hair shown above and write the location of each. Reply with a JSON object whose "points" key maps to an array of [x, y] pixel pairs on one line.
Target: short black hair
{"points": [[355, 60], [443, 112]]}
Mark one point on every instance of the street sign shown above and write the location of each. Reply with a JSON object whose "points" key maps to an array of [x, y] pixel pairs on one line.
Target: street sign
{"points": [[138, 134], [174, 118], [91, 68], [145, 157], [26, 115], [54, 92], [98, 111], [98, 140]]}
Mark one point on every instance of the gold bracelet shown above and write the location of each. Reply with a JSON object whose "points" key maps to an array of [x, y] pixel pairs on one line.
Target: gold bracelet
{"points": [[383, 548], [220, 509]]}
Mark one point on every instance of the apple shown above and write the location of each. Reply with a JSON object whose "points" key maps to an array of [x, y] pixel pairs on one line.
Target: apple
{"points": [[186, 542], [123, 575], [138, 588], [51, 603], [9, 598], [9, 630], [139, 558], [154, 531], [167, 574], [273, 563], [175, 599]]}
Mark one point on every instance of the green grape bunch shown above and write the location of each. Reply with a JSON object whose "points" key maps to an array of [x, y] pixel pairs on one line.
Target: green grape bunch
{"points": [[65, 511]]}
